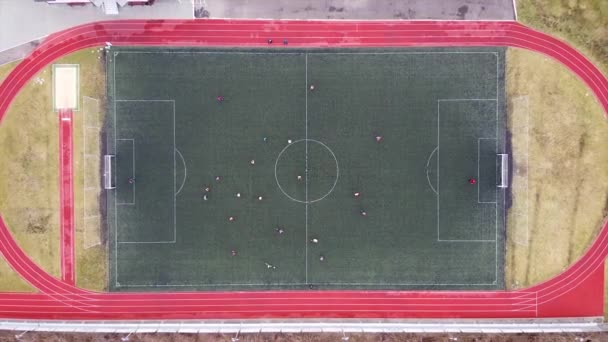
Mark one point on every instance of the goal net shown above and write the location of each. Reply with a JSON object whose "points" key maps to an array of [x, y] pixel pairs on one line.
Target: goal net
{"points": [[503, 161], [108, 180]]}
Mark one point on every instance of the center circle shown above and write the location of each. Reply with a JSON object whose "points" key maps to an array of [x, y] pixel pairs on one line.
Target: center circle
{"points": [[306, 171]]}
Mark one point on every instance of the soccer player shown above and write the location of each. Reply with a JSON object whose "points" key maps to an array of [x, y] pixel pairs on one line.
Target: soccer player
{"points": [[233, 252], [231, 218], [207, 189], [321, 258], [299, 177], [472, 181], [269, 41], [378, 138], [220, 98], [357, 194], [260, 198], [312, 87], [279, 230], [252, 162], [363, 212], [270, 266], [314, 240], [218, 178], [131, 180], [238, 195]]}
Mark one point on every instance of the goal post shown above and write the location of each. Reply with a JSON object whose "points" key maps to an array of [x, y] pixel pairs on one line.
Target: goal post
{"points": [[503, 161], [108, 179]]}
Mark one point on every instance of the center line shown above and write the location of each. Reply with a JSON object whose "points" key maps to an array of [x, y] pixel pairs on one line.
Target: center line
{"points": [[306, 160]]}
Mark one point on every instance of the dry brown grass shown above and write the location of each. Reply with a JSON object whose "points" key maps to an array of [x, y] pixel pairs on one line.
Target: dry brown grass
{"points": [[5, 69], [9, 279], [29, 187], [566, 197], [29, 184]]}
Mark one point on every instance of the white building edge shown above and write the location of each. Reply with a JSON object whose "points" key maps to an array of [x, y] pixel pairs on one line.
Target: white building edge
{"points": [[110, 7]]}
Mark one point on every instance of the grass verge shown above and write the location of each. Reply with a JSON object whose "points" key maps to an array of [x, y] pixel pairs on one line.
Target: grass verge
{"points": [[29, 174], [9, 279], [560, 184]]}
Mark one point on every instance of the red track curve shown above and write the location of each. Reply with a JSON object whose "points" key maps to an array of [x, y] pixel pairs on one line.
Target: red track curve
{"points": [[576, 292]]}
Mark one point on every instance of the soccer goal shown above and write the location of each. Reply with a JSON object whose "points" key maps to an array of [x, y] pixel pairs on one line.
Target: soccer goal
{"points": [[503, 161], [108, 180]]}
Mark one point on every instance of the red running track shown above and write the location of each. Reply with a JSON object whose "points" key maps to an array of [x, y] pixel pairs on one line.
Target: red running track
{"points": [[66, 195], [576, 292]]}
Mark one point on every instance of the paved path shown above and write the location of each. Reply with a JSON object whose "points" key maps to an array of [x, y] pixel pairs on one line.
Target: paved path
{"points": [[358, 9], [22, 21]]}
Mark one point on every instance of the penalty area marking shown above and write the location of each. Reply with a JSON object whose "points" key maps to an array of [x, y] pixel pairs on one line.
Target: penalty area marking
{"points": [[428, 162], [132, 173], [181, 156], [495, 240]]}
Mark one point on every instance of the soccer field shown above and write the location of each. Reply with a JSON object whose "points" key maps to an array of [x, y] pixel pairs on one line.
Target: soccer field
{"points": [[361, 182]]}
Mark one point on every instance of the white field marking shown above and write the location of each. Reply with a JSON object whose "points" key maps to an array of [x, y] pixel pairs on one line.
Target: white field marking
{"points": [[133, 172], [479, 173], [87, 237], [185, 172], [115, 182], [427, 170], [87, 115], [515, 9], [314, 52], [438, 52], [303, 284], [86, 188], [317, 199], [114, 64], [65, 119], [371, 20], [306, 167], [496, 204], [496, 193], [527, 167], [66, 84], [174, 178]]}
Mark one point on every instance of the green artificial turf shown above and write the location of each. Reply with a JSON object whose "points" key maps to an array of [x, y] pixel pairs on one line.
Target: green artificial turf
{"points": [[440, 115]]}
